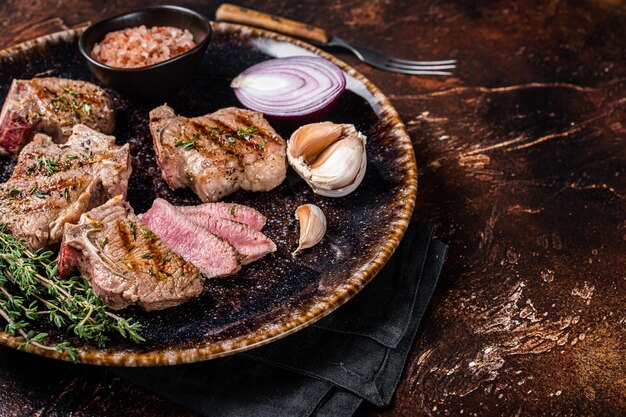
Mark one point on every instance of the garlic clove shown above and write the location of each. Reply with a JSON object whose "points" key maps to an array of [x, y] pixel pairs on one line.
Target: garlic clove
{"points": [[326, 191], [312, 226], [338, 165], [309, 140], [336, 170]]}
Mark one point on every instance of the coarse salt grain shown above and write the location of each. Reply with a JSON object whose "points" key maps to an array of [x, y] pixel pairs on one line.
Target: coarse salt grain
{"points": [[139, 46]]}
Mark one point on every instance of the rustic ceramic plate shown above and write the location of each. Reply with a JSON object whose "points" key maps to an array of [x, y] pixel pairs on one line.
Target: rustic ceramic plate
{"points": [[277, 295]]}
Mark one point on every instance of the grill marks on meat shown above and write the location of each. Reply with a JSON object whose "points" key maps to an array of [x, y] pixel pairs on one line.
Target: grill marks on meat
{"points": [[155, 260], [218, 153], [54, 184], [125, 262], [212, 255], [51, 106], [250, 243]]}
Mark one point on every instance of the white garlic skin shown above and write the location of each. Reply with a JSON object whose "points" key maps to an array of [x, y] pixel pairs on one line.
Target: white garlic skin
{"points": [[312, 226], [340, 164]]}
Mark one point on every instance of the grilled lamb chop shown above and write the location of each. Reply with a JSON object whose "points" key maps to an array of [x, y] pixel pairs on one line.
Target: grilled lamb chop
{"points": [[125, 262], [218, 153], [51, 106], [213, 256], [249, 242], [54, 184], [230, 211]]}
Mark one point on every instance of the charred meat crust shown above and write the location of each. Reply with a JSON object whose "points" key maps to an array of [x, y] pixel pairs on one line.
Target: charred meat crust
{"points": [[218, 153], [52, 106], [125, 262], [54, 184]]}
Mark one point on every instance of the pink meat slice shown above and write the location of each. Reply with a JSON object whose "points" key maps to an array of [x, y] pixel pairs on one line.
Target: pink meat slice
{"points": [[230, 211], [249, 242], [213, 256]]}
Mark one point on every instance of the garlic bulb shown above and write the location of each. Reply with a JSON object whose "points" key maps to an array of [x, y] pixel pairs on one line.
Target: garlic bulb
{"points": [[330, 157], [312, 226]]}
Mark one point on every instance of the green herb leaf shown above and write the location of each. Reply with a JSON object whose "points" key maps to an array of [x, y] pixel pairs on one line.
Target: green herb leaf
{"points": [[47, 164], [41, 193], [178, 142], [133, 228], [148, 233], [72, 353], [68, 90], [245, 133]]}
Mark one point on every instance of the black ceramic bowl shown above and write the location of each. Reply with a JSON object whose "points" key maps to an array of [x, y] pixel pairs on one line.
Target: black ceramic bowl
{"points": [[157, 81]]}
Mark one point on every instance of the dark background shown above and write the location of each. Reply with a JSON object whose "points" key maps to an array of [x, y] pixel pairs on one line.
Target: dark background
{"points": [[522, 157]]}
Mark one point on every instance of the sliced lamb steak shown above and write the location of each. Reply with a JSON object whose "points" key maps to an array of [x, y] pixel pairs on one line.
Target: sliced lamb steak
{"points": [[54, 184], [52, 106], [125, 262], [230, 211], [249, 242], [218, 153], [213, 256]]}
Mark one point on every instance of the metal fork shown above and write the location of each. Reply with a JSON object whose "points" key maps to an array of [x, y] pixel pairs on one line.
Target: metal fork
{"points": [[404, 66], [322, 38]]}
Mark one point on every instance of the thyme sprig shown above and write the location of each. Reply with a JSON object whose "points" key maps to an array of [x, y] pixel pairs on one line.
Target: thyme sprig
{"points": [[189, 144], [30, 290], [47, 164]]}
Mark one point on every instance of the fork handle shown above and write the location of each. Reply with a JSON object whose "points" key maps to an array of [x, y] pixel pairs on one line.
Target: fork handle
{"points": [[251, 17]]}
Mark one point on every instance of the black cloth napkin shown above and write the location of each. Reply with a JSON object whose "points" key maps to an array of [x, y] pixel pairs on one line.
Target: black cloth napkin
{"points": [[357, 353]]}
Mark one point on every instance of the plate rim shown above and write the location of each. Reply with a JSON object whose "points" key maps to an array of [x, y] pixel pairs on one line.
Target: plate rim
{"points": [[356, 282]]}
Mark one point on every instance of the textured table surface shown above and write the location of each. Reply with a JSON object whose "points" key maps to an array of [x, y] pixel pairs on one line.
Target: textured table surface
{"points": [[522, 156]]}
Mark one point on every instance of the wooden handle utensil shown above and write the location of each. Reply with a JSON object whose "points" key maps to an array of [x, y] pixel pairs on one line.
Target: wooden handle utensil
{"points": [[251, 17]]}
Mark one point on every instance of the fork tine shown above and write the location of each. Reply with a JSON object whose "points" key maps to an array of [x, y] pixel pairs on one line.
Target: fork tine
{"points": [[419, 67], [409, 72], [415, 71], [410, 62]]}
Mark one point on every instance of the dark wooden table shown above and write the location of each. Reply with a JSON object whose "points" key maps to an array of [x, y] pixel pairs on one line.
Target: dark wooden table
{"points": [[523, 165]]}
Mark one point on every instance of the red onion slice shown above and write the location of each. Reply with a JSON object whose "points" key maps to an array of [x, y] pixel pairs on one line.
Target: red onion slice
{"points": [[290, 87]]}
